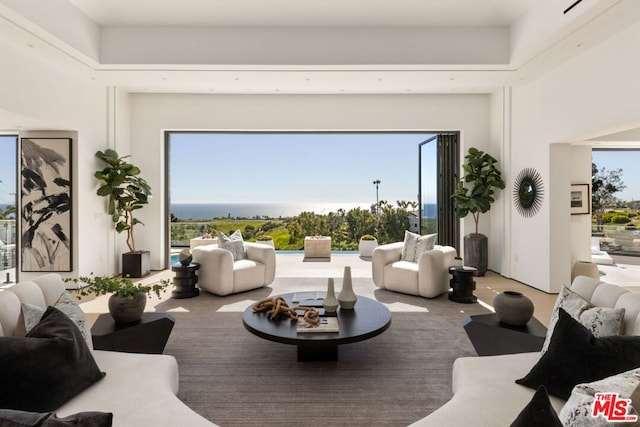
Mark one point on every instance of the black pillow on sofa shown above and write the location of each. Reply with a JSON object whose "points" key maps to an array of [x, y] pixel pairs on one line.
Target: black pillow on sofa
{"points": [[576, 356], [47, 367], [538, 412], [15, 418]]}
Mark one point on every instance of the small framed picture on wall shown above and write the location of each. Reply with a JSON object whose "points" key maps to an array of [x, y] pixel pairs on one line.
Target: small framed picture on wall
{"points": [[580, 199]]}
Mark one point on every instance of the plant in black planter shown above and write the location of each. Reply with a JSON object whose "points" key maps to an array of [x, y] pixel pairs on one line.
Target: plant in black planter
{"points": [[127, 192], [483, 176], [127, 303]]}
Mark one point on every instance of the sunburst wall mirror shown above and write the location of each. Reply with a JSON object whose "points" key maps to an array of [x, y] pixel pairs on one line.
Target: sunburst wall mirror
{"points": [[527, 192]]}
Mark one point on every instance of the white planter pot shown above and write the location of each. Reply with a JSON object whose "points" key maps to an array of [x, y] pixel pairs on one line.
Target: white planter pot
{"points": [[366, 247]]}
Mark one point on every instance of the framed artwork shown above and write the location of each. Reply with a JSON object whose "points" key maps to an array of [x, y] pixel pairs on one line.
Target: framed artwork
{"points": [[45, 204], [580, 199]]}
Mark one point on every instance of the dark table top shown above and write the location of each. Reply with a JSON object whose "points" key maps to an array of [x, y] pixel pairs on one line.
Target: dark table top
{"points": [[368, 319]]}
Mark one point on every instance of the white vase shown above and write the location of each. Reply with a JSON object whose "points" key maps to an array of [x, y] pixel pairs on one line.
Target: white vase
{"points": [[330, 301], [347, 297]]}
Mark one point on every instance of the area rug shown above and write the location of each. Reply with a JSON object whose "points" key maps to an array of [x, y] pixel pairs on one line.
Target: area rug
{"points": [[234, 378]]}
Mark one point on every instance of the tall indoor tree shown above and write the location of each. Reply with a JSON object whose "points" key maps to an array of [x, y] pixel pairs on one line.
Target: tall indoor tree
{"points": [[474, 195]]}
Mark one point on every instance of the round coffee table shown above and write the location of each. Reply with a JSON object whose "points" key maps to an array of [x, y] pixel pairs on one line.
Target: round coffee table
{"points": [[368, 319]]}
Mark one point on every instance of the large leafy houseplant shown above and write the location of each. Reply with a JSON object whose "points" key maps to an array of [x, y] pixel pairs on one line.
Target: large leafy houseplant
{"points": [[484, 177], [126, 189], [474, 195]]}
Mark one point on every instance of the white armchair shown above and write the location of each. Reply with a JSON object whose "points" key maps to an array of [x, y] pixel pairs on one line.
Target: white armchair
{"points": [[221, 275], [429, 277]]}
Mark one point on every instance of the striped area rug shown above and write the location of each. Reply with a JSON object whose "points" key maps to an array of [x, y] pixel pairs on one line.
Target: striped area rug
{"points": [[234, 378]]}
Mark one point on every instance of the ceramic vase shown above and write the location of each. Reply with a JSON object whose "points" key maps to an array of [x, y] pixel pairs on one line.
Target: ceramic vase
{"points": [[330, 301], [125, 310], [347, 297], [513, 308]]}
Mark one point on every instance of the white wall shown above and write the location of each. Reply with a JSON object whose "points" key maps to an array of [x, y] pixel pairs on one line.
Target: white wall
{"points": [[151, 114], [595, 93], [58, 105]]}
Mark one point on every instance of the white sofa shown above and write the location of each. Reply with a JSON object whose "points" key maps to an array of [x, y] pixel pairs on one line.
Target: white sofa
{"points": [[220, 274], [429, 277], [139, 389], [484, 388]]}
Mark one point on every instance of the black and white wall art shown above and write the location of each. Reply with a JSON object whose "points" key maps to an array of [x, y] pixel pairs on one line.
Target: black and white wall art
{"points": [[45, 204]]}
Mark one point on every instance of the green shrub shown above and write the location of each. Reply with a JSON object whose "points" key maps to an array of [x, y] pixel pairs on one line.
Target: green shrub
{"points": [[367, 237], [620, 218]]}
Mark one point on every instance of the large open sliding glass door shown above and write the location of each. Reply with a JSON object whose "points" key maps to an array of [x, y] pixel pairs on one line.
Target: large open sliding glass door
{"points": [[438, 167]]}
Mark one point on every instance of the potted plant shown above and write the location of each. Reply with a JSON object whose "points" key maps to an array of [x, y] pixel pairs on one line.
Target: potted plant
{"points": [[265, 239], [128, 299], [457, 262], [483, 176], [366, 245], [127, 192]]}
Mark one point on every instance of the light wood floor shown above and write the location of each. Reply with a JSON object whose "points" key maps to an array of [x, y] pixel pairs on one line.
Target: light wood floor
{"points": [[490, 285]]}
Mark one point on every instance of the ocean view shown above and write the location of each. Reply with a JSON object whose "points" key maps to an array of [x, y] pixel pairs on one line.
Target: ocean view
{"points": [[206, 211]]}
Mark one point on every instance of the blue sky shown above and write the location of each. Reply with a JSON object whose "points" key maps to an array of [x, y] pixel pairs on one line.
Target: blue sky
{"points": [[293, 168], [301, 168], [629, 162]]}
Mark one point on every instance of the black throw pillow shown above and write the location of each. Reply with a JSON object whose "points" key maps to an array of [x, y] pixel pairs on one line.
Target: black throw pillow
{"points": [[15, 418], [47, 367], [575, 356], [538, 412]]}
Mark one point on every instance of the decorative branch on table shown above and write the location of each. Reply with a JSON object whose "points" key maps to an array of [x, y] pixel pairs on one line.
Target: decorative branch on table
{"points": [[277, 305]]}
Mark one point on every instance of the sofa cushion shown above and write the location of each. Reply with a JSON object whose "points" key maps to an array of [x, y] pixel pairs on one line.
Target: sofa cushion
{"points": [[538, 412], [233, 244], [66, 304], [570, 302], [15, 418], [47, 367], [576, 356], [578, 410]]}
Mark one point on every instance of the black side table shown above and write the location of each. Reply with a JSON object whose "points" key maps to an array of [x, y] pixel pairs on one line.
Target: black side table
{"points": [[462, 284], [185, 280], [490, 337], [148, 335]]}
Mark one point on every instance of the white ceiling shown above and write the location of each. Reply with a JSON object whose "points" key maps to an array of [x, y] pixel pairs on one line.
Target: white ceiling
{"points": [[309, 46], [297, 13]]}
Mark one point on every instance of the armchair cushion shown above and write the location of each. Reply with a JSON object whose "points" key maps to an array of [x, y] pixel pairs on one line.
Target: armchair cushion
{"points": [[415, 245], [233, 244]]}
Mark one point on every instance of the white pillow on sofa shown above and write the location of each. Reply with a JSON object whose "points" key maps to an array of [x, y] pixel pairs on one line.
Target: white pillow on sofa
{"points": [[600, 321], [577, 412]]}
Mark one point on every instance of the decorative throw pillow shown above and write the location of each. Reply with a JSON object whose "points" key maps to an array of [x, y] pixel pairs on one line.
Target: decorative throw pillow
{"points": [[14, 418], [578, 410], [415, 245], [233, 244], [538, 412], [425, 243], [575, 356], [47, 367], [572, 303], [603, 321], [66, 304]]}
